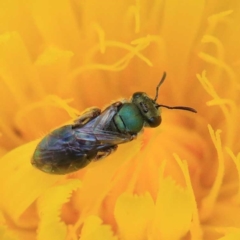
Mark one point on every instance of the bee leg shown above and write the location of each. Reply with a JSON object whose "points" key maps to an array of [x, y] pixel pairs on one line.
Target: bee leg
{"points": [[86, 117], [105, 152], [133, 136]]}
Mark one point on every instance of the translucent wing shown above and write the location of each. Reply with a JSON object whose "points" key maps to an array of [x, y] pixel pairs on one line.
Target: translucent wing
{"points": [[100, 128]]}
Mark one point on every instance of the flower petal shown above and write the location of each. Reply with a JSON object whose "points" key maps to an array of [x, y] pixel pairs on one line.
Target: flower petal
{"points": [[231, 234], [21, 183], [133, 214], [173, 211], [49, 207], [93, 229], [5, 233]]}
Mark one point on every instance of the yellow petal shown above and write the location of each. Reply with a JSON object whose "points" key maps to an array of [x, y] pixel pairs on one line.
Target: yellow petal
{"points": [[102, 183], [49, 207], [56, 22], [133, 214], [173, 211], [52, 66], [230, 234], [93, 229], [173, 11], [5, 233], [21, 183], [16, 70]]}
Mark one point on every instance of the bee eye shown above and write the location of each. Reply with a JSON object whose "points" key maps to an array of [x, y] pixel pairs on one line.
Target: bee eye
{"points": [[154, 121], [144, 106]]}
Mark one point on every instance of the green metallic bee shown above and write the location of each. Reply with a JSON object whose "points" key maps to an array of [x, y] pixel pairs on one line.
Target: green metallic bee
{"points": [[96, 134]]}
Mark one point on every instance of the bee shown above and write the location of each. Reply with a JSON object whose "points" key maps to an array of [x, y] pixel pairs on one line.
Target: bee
{"points": [[96, 134]]}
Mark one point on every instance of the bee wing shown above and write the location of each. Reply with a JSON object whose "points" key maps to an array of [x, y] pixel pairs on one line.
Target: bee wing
{"points": [[69, 148], [111, 137], [101, 136], [96, 130], [106, 117]]}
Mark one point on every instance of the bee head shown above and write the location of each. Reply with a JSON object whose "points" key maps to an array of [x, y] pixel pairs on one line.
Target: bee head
{"points": [[149, 107]]}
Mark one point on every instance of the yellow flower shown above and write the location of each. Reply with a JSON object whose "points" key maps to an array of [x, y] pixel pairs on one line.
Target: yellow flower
{"points": [[178, 181]]}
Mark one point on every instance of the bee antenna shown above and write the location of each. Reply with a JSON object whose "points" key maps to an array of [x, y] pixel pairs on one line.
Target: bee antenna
{"points": [[178, 107], [160, 83]]}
